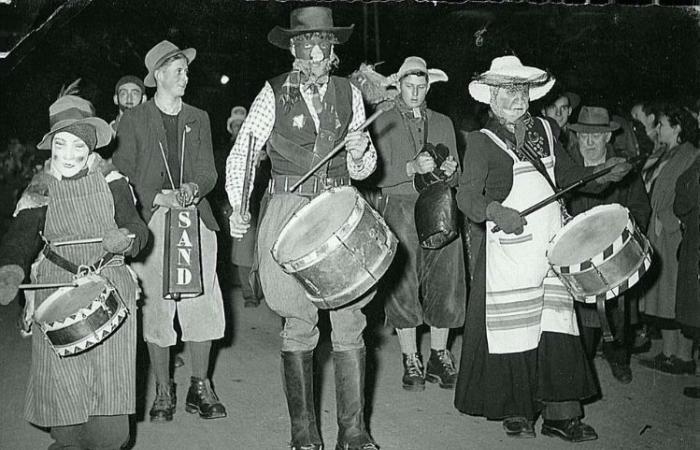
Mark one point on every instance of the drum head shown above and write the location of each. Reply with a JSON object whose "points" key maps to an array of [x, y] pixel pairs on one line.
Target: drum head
{"points": [[588, 234], [67, 301], [315, 223]]}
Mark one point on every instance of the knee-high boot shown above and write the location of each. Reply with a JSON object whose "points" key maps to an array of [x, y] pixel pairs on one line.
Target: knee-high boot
{"points": [[298, 375], [350, 398]]}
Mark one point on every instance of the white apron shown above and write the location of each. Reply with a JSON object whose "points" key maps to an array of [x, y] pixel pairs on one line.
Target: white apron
{"points": [[523, 297]]}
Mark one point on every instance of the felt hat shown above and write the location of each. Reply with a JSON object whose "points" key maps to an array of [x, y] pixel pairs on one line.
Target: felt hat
{"points": [[309, 19], [70, 110], [417, 64], [509, 71], [594, 119], [157, 56]]}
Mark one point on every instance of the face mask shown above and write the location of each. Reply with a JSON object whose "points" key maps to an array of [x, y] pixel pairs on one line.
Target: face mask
{"points": [[69, 154]]}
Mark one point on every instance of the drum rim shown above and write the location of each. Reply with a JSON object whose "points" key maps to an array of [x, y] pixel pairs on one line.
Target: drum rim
{"points": [[334, 241], [84, 310], [599, 257]]}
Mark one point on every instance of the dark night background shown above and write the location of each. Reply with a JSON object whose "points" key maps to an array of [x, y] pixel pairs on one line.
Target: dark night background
{"points": [[611, 55]]}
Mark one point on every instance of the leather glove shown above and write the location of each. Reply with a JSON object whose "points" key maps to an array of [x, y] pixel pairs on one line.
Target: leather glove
{"points": [[622, 167], [116, 241], [507, 219], [10, 278]]}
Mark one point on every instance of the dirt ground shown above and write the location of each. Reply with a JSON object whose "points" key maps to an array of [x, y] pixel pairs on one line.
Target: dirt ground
{"points": [[649, 413]]}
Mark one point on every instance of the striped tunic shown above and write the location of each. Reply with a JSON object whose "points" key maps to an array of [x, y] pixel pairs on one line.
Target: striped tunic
{"points": [[101, 381]]}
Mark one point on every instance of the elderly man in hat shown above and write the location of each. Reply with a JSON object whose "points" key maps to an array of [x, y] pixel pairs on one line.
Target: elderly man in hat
{"points": [[424, 285], [521, 353], [84, 396], [165, 148], [299, 117], [593, 132], [128, 93]]}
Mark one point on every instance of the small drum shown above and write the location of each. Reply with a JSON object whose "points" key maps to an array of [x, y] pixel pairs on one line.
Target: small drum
{"points": [[337, 247], [75, 319], [599, 254]]}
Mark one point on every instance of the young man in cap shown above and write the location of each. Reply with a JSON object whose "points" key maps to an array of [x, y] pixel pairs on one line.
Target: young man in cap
{"points": [[423, 285], [165, 148], [128, 93], [593, 131], [521, 353], [85, 395], [300, 116]]}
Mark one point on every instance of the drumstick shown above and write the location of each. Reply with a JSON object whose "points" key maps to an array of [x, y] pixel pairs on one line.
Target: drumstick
{"points": [[245, 198], [46, 285], [85, 241], [574, 185], [382, 107]]}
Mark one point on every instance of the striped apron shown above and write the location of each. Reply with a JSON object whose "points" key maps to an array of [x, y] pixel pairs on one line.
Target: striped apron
{"points": [[523, 297], [101, 381]]}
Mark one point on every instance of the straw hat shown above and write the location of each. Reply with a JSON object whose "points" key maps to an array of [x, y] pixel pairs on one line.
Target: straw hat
{"points": [[508, 71]]}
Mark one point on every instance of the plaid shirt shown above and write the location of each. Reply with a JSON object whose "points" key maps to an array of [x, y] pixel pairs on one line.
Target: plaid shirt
{"points": [[260, 122]]}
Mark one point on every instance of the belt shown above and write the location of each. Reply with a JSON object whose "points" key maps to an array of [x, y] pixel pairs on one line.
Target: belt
{"points": [[280, 184], [63, 263]]}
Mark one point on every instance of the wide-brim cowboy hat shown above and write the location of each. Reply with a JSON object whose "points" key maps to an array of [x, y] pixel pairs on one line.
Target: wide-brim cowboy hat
{"points": [[509, 71], [70, 110], [416, 64], [309, 19], [159, 54], [594, 119]]}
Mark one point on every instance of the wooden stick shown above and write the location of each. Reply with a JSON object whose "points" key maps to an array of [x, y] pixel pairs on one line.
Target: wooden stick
{"points": [[338, 148], [248, 178], [46, 285], [85, 241]]}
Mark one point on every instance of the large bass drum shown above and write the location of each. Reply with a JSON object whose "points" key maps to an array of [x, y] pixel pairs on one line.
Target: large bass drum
{"points": [[336, 246], [600, 254], [75, 319]]}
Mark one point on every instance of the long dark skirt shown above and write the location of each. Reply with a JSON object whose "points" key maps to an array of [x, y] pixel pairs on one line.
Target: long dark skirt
{"points": [[515, 384]]}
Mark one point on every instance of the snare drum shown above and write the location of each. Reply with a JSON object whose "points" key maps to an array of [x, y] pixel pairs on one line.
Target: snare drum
{"points": [[336, 246], [600, 254], [75, 319]]}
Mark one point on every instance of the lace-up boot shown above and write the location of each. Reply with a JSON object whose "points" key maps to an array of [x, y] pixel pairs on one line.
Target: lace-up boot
{"points": [[413, 377], [441, 369], [202, 399], [164, 404]]}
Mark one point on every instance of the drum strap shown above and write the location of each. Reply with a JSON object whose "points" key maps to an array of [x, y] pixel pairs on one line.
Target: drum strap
{"points": [[604, 325], [71, 267]]}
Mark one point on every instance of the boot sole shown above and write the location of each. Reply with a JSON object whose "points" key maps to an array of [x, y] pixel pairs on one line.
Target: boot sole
{"points": [[413, 387], [161, 419], [435, 379], [192, 409], [561, 435]]}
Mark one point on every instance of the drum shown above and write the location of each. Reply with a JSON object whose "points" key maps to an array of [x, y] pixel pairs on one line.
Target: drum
{"points": [[599, 254], [436, 216], [75, 319], [336, 246]]}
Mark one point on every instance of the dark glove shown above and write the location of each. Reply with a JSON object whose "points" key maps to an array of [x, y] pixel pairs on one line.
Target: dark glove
{"points": [[507, 219], [116, 241], [187, 194], [10, 278], [621, 168]]}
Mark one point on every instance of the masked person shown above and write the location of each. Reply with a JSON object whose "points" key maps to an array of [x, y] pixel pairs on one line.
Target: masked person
{"points": [[521, 352], [593, 132], [129, 92], [424, 285], [165, 148], [85, 398], [300, 116]]}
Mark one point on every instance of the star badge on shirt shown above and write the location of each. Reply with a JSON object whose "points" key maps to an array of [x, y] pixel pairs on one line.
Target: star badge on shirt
{"points": [[298, 121]]}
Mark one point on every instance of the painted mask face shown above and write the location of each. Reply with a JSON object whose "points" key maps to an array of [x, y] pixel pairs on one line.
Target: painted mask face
{"points": [[592, 146], [559, 111], [173, 77], [314, 53], [511, 103], [128, 96], [413, 89], [69, 154]]}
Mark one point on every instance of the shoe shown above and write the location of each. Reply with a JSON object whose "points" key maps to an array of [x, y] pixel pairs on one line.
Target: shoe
{"points": [[519, 427], [413, 377], [202, 399], [349, 370], [164, 404], [178, 361], [681, 367], [621, 372], [441, 369], [661, 363], [571, 430], [692, 391]]}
